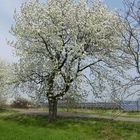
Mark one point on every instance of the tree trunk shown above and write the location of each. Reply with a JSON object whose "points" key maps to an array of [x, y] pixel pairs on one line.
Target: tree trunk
{"points": [[52, 110]]}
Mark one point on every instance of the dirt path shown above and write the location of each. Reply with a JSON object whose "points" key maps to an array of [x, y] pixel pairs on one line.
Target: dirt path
{"points": [[80, 115]]}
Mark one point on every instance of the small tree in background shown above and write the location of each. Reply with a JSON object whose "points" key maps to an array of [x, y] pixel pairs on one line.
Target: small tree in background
{"points": [[131, 46], [4, 78]]}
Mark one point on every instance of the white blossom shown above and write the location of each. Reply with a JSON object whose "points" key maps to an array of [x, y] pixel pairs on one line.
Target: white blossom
{"points": [[48, 33]]}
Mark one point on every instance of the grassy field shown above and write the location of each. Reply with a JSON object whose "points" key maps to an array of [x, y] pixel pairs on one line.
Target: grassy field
{"points": [[14, 126], [99, 111]]}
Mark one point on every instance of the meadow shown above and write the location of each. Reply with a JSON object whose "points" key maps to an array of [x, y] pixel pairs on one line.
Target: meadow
{"points": [[15, 126]]}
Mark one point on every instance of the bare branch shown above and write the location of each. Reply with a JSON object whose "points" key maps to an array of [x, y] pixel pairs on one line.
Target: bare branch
{"points": [[89, 65]]}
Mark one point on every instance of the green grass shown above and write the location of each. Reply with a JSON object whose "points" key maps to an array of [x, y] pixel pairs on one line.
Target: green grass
{"points": [[93, 111], [2, 110], [15, 126], [6, 112]]}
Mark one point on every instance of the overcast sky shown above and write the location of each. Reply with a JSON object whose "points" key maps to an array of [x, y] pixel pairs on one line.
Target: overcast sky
{"points": [[7, 8]]}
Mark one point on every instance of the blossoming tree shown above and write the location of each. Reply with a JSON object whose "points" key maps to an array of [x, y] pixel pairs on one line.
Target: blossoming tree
{"points": [[58, 41], [4, 78]]}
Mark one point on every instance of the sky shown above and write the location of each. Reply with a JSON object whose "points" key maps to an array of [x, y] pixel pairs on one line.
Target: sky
{"points": [[7, 8], [118, 4]]}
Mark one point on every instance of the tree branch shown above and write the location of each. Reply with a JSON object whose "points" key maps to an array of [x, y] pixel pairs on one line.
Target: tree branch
{"points": [[89, 65], [64, 61], [46, 45]]}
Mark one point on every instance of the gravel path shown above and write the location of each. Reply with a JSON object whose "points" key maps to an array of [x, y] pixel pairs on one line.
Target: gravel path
{"points": [[80, 115]]}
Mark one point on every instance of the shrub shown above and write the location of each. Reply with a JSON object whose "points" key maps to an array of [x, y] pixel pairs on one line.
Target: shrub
{"points": [[3, 102], [21, 103]]}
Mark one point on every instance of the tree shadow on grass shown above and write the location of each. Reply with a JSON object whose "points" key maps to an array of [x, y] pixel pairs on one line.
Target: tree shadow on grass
{"points": [[34, 120], [3, 110], [42, 121]]}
